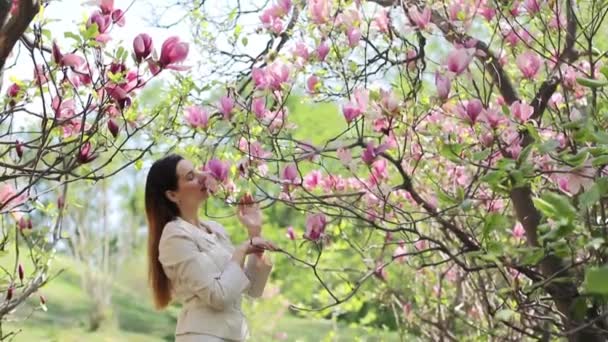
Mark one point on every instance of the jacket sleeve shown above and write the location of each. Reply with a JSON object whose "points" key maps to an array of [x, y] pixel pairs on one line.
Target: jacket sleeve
{"points": [[257, 270], [196, 270]]}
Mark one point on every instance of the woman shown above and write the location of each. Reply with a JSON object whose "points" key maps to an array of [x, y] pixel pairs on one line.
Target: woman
{"points": [[195, 261]]}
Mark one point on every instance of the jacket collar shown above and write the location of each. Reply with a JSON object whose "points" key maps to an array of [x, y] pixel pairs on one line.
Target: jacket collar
{"points": [[207, 236]]}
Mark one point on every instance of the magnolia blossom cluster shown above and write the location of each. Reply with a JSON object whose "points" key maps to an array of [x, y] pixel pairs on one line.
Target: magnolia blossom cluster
{"points": [[77, 74]]}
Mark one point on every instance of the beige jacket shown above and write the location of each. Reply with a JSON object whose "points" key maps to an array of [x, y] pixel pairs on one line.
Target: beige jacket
{"points": [[207, 282]]}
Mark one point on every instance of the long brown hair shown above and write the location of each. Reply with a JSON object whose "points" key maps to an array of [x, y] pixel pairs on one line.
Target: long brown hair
{"points": [[160, 210]]}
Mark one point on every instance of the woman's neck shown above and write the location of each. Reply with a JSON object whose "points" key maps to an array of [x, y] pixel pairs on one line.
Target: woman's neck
{"points": [[192, 218]]}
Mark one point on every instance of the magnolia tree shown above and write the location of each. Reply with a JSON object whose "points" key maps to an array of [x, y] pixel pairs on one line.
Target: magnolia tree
{"points": [[65, 121], [467, 175]]}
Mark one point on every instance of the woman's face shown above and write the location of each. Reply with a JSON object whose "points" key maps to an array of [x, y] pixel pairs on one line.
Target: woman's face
{"points": [[191, 191]]}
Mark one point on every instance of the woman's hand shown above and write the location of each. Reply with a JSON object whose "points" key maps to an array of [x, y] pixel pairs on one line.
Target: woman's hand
{"points": [[257, 245], [250, 215]]}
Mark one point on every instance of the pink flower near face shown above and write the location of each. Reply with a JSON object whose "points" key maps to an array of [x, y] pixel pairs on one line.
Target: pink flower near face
{"points": [[529, 64], [197, 117], [218, 169]]}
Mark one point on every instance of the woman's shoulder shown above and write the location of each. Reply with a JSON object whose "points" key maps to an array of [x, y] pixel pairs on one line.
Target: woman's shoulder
{"points": [[172, 228]]}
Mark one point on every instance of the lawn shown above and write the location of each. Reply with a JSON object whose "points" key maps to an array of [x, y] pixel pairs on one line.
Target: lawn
{"points": [[134, 318]]}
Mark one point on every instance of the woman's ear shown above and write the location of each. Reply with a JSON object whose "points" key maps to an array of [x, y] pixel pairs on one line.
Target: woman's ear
{"points": [[172, 196]]}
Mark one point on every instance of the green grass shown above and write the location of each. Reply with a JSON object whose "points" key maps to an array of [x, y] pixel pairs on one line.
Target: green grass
{"points": [[134, 318]]}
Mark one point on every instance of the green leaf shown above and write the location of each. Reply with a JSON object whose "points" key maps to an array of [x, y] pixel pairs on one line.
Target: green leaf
{"points": [[591, 83], [504, 315], [596, 280], [548, 146], [600, 161], [481, 155], [561, 204], [245, 41], [73, 36], [451, 152], [577, 159], [589, 197], [494, 221], [533, 255], [604, 70]]}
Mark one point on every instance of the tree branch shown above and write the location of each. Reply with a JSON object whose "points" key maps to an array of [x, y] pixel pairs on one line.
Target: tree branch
{"points": [[16, 26]]}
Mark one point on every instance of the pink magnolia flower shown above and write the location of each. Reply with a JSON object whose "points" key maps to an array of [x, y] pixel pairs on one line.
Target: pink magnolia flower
{"points": [[40, 75], [301, 51], [290, 174], [319, 11], [532, 6], [354, 108], [521, 111], [118, 17], [487, 10], [312, 180], [142, 46], [529, 64], [106, 6], [382, 20], [113, 127], [86, 154], [420, 19], [102, 21], [291, 233], [518, 231], [173, 51], [493, 117], [443, 85], [311, 84], [389, 101], [458, 60], [226, 106], [218, 169], [64, 109], [197, 117], [322, 50], [8, 197], [258, 107], [380, 271], [470, 110], [315, 226], [370, 153], [13, 90], [379, 171], [399, 254], [354, 36]]}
